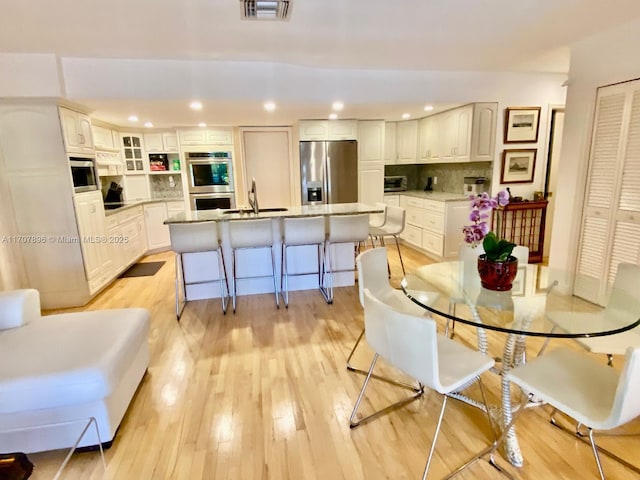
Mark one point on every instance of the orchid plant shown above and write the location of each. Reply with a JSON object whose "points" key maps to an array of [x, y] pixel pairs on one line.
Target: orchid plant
{"points": [[482, 205]]}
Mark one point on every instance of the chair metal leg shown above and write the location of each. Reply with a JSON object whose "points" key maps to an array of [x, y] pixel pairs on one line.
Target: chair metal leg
{"points": [[284, 277], [349, 367], [578, 434], [352, 424], [399, 254], [595, 453], [435, 438]]}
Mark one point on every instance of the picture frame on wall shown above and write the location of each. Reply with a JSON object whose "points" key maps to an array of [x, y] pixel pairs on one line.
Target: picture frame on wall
{"points": [[518, 165], [521, 124]]}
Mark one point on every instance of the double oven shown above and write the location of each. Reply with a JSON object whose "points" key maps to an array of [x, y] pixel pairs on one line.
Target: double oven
{"points": [[210, 180]]}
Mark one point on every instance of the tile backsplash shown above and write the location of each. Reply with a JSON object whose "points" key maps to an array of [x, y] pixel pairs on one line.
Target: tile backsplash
{"points": [[166, 186], [450, 175]]}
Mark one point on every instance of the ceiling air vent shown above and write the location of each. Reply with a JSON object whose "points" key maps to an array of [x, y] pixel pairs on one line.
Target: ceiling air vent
{"points": [[265, 9]]}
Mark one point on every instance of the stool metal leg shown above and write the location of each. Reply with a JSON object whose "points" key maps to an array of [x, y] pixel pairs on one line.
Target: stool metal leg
{"points": [[235, 282], [327, 276], [179, 267], [224, 293], [399, 254], [284, 276], [275, 282]]}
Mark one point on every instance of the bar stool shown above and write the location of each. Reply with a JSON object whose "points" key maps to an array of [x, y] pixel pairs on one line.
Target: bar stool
{"points": [[255, 233], [342, 229], [298, 232], [197, 238], [392, 227]]}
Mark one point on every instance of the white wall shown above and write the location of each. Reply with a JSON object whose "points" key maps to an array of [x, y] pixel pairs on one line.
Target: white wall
{"points": [[603, 59], [32, 75]]}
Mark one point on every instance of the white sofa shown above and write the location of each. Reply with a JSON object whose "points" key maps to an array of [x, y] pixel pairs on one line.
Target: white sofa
{"points": [[66, 367]]}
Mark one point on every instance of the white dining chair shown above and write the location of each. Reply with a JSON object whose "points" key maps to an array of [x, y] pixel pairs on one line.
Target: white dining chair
{"points": [[579, 386], [412, 345], [371, 266], [623, 304]]}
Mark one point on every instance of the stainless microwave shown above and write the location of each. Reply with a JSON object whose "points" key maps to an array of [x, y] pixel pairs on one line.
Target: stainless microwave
{"points": [[84, 174], [210, 172]]}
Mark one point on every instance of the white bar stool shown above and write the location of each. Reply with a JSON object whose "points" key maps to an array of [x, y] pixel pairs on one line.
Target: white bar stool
{"points": [[197, 238], [298, 232], [255, 233], [342, 229], [393, 226]]}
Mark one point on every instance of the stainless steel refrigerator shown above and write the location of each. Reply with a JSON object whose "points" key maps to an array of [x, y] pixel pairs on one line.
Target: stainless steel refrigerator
{"points": [[329, 172]]}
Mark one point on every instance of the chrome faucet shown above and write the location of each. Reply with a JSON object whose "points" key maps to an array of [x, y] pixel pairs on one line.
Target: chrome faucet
{"points": [[254, 202]]}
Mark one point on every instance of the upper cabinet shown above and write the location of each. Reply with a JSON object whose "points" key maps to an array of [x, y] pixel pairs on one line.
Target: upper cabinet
{"points": [[390, 152], [105, 138], [76, 129], [407, 141], [206, 136], [328, 130], [133, 152], [161, 142], [464, 134]]}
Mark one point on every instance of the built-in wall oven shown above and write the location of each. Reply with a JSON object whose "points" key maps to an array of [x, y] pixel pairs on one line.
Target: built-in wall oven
{"points": [[210, 180], [84, 174], [210, 172], [211, 201]]}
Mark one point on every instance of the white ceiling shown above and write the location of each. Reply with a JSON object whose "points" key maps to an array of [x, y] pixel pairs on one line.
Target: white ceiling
{"points": [[335, 38]]}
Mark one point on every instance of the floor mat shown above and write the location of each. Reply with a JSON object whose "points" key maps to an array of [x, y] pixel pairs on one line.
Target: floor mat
{"points": [[144, 269]]}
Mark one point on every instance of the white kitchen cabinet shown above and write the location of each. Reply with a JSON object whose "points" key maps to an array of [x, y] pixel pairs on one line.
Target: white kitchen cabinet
{"points": [[77, 132], [371, 161], [407, 141], [392, 200], [133, 150], [328, 130], [157, 232], [132, 223], [428, 136], [434, 226], [104, 138], [109, 164], [161, 142], [136, 187], [93, 238], [205, 136], [390, 151], [343, 130], [463, 134]]}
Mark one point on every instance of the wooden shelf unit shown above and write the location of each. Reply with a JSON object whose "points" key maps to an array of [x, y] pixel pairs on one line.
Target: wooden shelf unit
{"points": [[523, 224]]}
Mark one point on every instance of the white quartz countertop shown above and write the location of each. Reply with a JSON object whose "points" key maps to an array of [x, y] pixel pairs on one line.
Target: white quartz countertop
{"points": [[437, 196], [194, 216], [134, 203]]}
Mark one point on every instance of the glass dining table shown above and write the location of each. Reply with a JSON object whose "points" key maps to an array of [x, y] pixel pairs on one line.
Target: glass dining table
{"points": [[519, 314]]}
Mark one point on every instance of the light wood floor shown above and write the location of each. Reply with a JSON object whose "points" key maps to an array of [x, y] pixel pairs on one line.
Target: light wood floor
{"points": [[264, 394]]}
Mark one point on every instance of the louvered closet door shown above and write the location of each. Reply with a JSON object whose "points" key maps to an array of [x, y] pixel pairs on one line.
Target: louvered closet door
{"points": [[611, 218]]}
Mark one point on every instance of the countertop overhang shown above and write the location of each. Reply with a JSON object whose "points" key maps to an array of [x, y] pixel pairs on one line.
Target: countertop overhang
{"points": [[195, 216], [437, 196]]}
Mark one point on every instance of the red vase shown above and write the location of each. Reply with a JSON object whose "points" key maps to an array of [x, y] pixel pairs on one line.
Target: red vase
{"points": [[497, 275]]}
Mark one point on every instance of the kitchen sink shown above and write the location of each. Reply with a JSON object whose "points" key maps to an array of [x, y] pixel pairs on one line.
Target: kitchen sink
{"points": [[262, 210]]}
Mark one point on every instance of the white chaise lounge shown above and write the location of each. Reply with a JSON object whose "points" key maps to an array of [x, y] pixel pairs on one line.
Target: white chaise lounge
{"points": [[66, 367]]}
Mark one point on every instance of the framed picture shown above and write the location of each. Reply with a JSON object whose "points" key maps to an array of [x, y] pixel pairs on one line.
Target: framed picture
{"points": [[521, 124], [518, 165]]}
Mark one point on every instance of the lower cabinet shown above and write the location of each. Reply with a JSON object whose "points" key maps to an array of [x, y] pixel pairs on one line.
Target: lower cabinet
{"points": [[434, 226], [128, 239]]}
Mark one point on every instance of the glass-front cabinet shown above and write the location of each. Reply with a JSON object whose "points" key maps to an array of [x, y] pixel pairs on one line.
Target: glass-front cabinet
{"points": [[133, 153]]}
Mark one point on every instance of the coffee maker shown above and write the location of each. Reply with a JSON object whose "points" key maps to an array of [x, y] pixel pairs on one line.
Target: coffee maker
{"points": [[474, 185]]}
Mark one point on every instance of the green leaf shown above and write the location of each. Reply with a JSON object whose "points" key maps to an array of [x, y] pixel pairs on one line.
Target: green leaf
{"points": [[497, 250]]}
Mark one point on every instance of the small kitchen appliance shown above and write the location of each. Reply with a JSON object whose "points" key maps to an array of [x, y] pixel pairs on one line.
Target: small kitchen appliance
{"points": [[397, 183], [474, 185]]}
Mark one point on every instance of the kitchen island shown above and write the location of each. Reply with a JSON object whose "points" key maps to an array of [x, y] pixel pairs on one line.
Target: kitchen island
{"points": [[202, 267]]}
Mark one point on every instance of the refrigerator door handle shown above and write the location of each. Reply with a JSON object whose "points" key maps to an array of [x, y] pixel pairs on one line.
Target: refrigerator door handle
{"points": [[327, 181]]}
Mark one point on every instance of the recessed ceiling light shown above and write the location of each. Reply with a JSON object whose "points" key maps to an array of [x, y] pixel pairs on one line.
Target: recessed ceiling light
{"points": [[269, 106], [333, 116], [148, 124], [337, 106], [428, 108], [133, 118], [202, 124], [195, 105], [265, 9], [406, 115]]}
